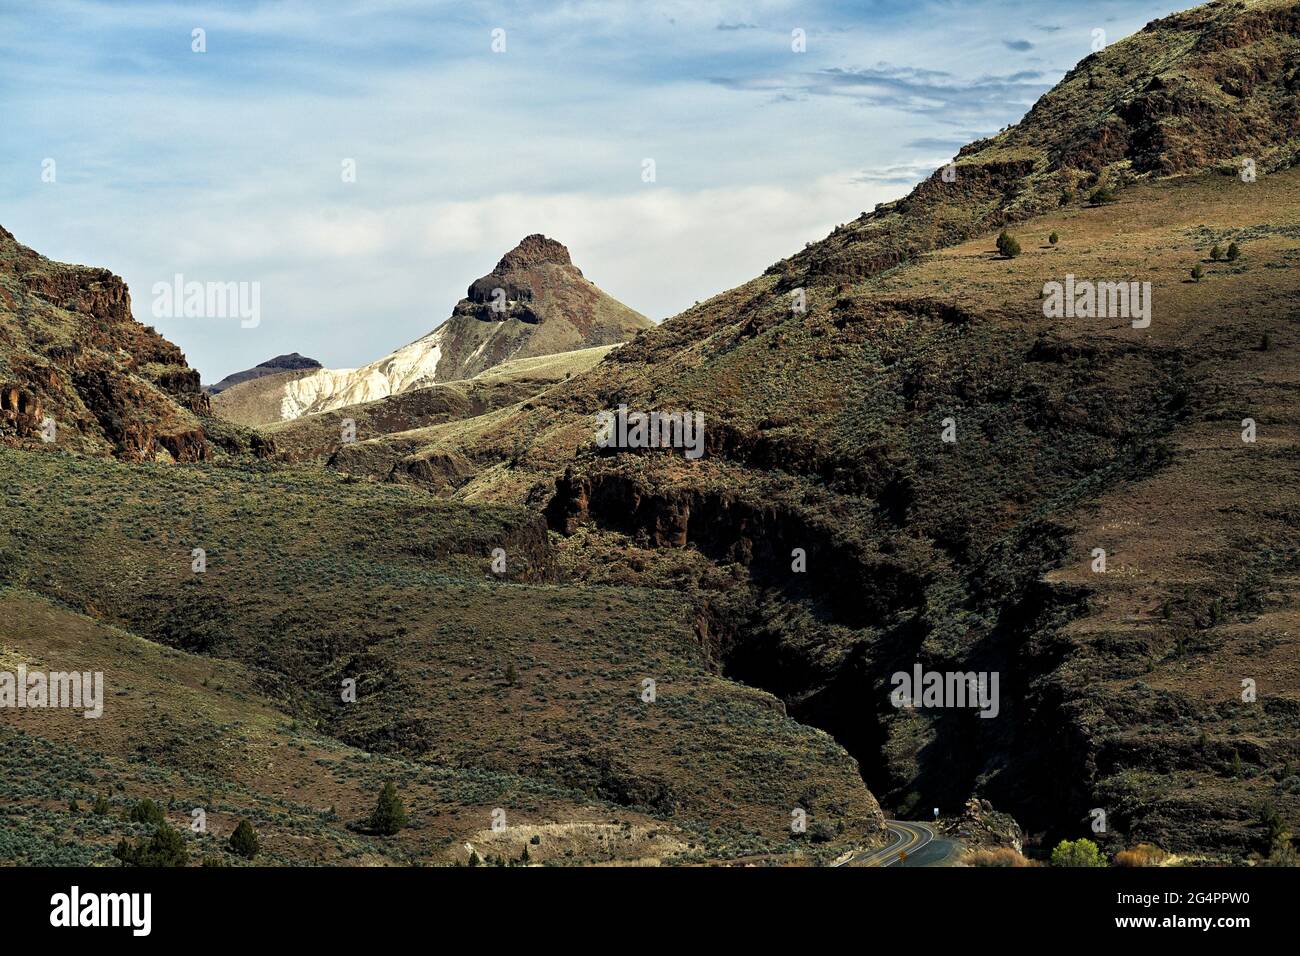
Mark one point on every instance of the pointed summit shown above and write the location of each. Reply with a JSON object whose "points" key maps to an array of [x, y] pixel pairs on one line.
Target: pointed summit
{"points": [[534, 302], [532, 251]]}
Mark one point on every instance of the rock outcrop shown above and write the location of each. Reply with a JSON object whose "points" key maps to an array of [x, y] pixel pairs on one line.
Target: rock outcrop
{"points": [[77, 371]]}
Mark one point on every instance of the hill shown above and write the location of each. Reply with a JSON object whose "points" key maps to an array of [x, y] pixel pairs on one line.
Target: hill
{"points": [[474, 690], [535, 302], [281, 363]]}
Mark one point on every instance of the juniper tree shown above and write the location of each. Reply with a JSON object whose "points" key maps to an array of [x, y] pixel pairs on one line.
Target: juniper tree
{"points": [[146, 811], [165, 848], [389, 815], [244, 840]]}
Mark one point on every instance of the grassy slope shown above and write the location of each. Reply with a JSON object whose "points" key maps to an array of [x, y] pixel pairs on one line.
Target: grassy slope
{"points": [[190, 731], [312, 579]]}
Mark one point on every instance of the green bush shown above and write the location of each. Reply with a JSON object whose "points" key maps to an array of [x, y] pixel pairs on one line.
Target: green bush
{"points": [[389, 815], [147, 812], [165, 848], [1216, 253], [1008, 245], [1053, 238], [1272, 823], [1197, 272], [1079, 852], [243, 842], [1102, 195], [101, 808], [821, 832], [1234, 252]]}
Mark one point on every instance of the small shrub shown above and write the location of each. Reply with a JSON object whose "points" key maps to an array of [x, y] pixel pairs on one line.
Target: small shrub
{"points": [[997, 856], [821, 832], [1008, 245], [1197, 272], [1053, 238], [1102, 195], [1234, 252], [100, 808], [1081, 852]]}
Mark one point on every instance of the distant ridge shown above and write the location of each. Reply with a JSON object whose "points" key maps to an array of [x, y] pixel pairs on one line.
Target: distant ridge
{"points": [[281, 363]]}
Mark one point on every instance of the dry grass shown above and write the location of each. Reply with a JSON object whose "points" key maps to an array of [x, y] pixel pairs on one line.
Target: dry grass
{"points": [[998, 856]]}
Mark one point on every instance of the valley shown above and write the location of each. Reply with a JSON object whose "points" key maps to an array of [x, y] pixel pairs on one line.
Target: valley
{"points": [[591, 590]]}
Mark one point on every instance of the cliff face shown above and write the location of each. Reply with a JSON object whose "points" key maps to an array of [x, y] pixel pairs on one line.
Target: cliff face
{"points": [[76, 368], [535, 302]]}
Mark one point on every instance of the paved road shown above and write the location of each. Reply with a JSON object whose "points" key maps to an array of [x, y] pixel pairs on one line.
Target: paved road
{"points": [[911, 844]]}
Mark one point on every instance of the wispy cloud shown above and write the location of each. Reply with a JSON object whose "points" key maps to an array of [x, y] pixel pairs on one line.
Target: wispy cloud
{"points": [[906, 88]]}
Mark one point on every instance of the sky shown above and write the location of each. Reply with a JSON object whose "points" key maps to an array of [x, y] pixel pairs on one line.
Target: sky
{"points": [[471, 125]]}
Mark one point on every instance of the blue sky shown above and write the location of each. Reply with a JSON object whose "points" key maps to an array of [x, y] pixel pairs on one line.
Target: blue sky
{"points": [[226, 165]]}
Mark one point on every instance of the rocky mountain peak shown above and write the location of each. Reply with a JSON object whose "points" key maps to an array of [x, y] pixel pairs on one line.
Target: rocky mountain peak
{"points": [[534, 250]]}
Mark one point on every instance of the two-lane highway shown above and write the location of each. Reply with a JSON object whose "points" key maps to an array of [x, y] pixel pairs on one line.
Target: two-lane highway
{"points": [[907, 840]]}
